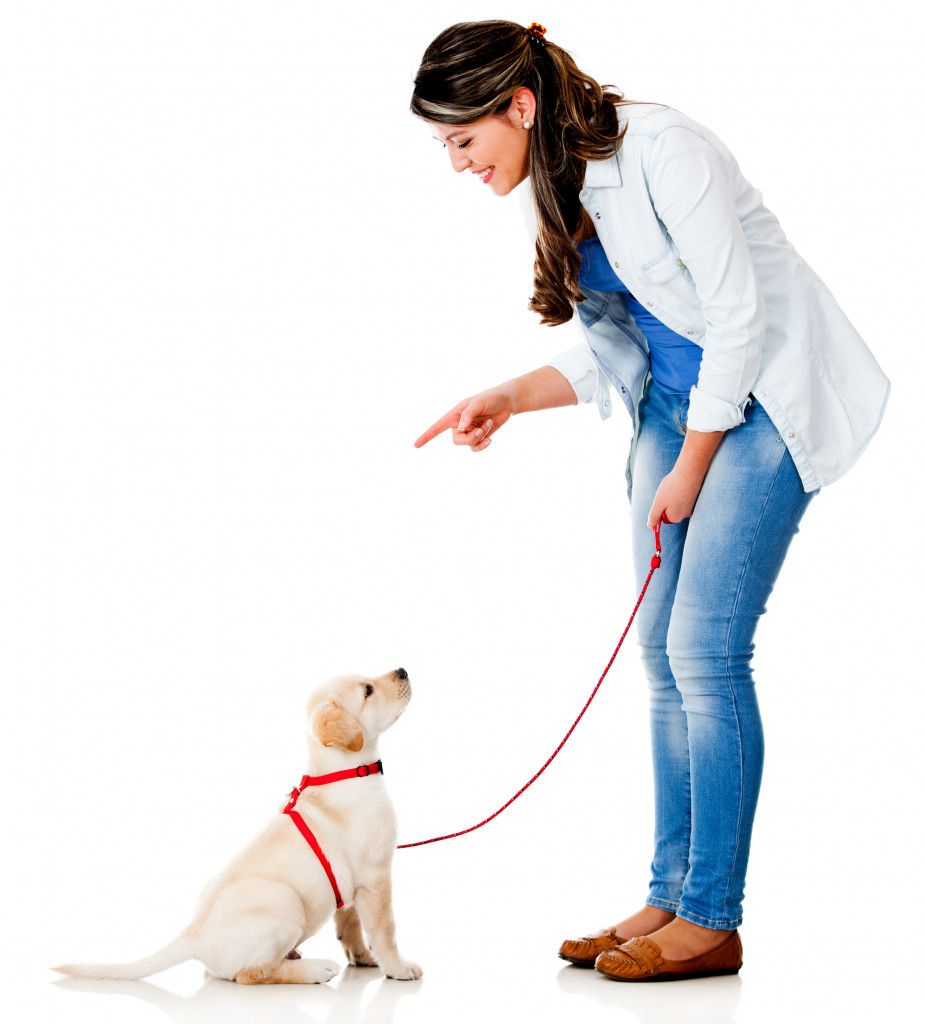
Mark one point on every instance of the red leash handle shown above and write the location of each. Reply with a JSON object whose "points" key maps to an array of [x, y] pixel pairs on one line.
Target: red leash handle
{"points": [[653, 565]]}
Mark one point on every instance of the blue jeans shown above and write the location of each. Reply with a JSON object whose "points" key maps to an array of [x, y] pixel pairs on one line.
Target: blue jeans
{"points": [[696, 627]]}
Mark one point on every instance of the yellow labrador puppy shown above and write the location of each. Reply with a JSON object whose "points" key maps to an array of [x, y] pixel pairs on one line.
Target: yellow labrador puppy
{"points": [[279, 890]]}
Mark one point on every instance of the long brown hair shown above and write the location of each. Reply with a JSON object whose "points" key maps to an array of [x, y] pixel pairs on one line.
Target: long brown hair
{"points": [[471, 71]]}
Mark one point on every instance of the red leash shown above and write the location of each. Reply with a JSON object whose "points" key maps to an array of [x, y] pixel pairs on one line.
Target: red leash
{"points": [[655, 563], [373, 769]]}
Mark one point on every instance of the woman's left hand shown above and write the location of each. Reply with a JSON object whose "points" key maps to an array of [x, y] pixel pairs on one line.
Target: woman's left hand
{"points": [[675, 497], [677, 493]]}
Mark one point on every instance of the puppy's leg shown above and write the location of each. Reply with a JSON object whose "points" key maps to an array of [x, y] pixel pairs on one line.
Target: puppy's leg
{"points": [[350, 935], [249, 928], [289, 972], [374, 906]]}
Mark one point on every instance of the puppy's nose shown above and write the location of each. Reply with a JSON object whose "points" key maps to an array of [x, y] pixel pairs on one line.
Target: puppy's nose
{"points": [[401, 673]]}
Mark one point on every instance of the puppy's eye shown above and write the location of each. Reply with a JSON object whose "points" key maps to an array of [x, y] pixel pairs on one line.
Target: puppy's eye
{"points": [[369, 690]]}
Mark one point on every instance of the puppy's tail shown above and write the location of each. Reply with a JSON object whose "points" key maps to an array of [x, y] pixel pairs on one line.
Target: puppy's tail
{"points": [[174, 953]]}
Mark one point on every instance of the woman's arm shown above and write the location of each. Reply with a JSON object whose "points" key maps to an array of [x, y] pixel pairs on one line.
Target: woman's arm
{"points": [[678, 491], [475, 419], [691, 196]]}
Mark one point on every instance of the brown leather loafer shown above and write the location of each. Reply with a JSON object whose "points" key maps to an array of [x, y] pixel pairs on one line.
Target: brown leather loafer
{"points": [[584, 951], [641, 960]]}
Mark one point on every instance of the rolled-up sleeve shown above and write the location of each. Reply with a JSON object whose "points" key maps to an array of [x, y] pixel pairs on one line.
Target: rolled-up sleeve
{"points": [[692, 198], [581, 370]]}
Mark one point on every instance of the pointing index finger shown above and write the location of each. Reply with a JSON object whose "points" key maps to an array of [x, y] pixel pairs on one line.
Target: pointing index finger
{"points": [[444, 423]]}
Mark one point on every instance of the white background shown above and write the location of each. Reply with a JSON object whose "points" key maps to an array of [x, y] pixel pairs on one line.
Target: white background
{"points": [[238, 280]]}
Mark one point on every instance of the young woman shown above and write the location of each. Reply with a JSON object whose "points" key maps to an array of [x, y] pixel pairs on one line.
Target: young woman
{"points": [[748, 388]]}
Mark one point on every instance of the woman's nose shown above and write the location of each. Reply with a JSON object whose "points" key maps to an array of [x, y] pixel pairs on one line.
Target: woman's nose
{"points": [[458, 160]]}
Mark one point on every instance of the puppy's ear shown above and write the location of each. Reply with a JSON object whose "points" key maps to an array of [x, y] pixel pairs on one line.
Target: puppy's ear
{"points": [[334, 726]]}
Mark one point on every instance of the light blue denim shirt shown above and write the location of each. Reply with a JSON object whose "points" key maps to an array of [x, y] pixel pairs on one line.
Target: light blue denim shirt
{"points": [[694, 243]]}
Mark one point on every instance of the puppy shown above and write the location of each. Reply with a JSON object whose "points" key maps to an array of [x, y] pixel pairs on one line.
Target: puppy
{"points": [[276, 892]]}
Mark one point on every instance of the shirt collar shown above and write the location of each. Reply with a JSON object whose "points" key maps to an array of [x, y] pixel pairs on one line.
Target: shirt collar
{"points": [[603, 173]]}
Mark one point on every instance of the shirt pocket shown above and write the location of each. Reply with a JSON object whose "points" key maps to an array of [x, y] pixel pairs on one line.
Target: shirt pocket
{"points": [[668, 273]]}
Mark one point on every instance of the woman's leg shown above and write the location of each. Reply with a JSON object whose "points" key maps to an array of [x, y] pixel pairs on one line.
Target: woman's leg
{"points": [[697, 639], [661, 434], [746, 516], [657, 447]]}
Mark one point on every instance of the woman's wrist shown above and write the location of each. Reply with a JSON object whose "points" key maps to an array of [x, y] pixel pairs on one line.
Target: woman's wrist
{"points": [[697, 453]]}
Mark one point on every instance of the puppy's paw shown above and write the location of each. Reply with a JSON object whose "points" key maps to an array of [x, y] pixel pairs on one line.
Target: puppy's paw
{"points": [[361, 958], [404, 970], [317, 972]]}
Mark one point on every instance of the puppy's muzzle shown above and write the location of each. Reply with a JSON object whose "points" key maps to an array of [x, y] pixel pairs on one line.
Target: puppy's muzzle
{"points": [[404, 685]]}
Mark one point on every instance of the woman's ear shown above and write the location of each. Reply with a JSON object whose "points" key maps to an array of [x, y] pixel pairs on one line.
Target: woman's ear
{"points": [[334, 726], [522, 108]]}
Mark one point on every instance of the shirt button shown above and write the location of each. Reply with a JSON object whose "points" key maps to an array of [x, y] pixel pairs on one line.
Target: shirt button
{"points": [[690, 334], [597, 216], [615, 263], [680, 263], [606, 404], [791, 435]]}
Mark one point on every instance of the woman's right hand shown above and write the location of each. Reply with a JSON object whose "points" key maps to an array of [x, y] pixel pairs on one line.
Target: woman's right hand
{"points": [[473, 420], [476, 419]]}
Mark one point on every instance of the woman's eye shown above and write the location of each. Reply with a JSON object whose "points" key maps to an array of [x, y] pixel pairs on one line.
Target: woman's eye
{"points": [[369, 690], [462, 145]]}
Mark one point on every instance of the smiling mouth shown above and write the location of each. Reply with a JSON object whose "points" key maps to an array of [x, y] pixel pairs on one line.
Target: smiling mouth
{"points": [[486, 175]]}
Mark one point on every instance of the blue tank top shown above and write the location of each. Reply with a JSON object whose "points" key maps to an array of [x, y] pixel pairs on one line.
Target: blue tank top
{"points": [[673, 359]]}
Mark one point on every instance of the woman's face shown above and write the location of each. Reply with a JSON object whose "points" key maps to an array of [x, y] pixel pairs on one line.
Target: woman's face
{"points": [[494, 149]]}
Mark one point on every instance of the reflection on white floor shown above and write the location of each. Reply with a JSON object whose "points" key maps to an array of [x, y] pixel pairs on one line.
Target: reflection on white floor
{"points": [[359, 994], [491, 962], [700, 1001], [362, 996]]}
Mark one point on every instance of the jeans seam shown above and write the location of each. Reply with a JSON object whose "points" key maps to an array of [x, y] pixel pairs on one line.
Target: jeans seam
{"points": [[731, 688], [656, 901], [689, 819], [706, 922]]}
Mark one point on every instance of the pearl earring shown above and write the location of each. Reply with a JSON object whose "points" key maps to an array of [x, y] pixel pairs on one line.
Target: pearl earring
{"points": [[528, 124]]}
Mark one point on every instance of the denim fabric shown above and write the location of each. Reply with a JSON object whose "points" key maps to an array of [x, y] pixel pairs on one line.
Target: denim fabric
{"points": [[696, 628]]}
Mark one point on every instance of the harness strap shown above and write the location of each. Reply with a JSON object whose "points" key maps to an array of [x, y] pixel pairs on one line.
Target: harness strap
{"points": [[350, 773], [322, 780], [299, 823]]}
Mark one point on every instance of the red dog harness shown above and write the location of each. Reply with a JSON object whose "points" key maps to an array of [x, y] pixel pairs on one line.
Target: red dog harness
{"points": [[322, 780]]}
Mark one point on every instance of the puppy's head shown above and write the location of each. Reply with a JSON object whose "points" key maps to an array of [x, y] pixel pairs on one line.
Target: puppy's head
{"points": [[351, 712]]}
